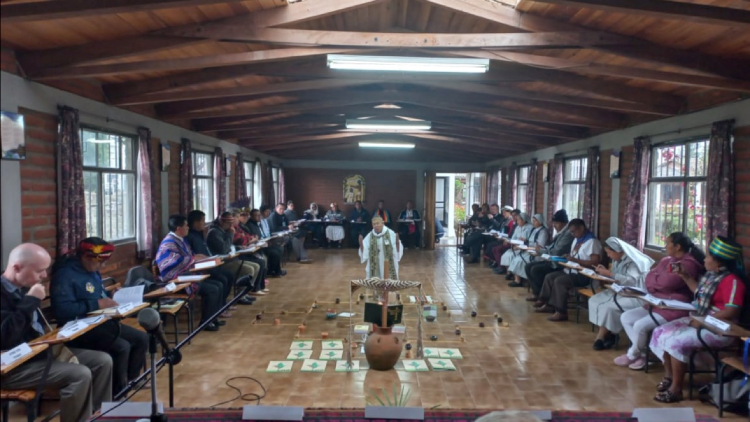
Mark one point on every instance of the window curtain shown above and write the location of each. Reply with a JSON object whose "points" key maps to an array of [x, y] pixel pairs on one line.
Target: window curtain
{"points": [[634, 227], [591, 190], [513, 185], [282, 187], [220, 182], [430, 191], [147, 218], [531, 188], [555, 175], [240, 188], [720, 181], [257, 187], [266, 183], [71, 215], [186, 178], [492, 185]]}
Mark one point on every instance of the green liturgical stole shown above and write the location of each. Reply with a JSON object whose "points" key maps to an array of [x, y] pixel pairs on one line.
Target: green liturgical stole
{"points": [[374, 313]]}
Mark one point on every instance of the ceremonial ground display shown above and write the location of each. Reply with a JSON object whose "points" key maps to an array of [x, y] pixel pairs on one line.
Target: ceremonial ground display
{"points": [[383, 348]]}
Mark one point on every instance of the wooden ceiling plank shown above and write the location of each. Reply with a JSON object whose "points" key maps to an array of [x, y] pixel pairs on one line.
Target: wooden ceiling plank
{"points": [[299, 37], [699, 13], [508, 16], [64, 9]]}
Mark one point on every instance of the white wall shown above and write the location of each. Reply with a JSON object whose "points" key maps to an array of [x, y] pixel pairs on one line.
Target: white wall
{"points": [[18, 93]]}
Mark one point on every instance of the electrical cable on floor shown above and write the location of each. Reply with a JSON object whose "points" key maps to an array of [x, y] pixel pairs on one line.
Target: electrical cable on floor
{"points": [[240, 396]]}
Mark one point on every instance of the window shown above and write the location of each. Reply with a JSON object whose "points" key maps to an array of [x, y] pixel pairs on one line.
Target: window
{"points": [[474, 186], [523, 187], [250, 181], [275, 179], [677, 192], [109, 180], [203, 183], [500, 188], [574, 177]]}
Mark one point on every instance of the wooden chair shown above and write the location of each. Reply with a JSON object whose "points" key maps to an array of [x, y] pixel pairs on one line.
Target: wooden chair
{"points": [[185, 302], [27, 397]]}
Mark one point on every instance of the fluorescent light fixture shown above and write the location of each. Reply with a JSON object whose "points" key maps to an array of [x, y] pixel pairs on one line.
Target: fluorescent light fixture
{"points": [[392, 106], [385, 145], [387, 125], [408, 64], [101, 141]]}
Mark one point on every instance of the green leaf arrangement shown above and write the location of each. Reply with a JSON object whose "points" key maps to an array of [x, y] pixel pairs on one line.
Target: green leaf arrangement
{"points": [[397, 398]]}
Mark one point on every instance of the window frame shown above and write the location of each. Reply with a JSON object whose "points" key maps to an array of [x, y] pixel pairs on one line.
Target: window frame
{"points": [[685, 180], [518, 199], [582, 181], [100, 176], [250, 178], [193, 176]]}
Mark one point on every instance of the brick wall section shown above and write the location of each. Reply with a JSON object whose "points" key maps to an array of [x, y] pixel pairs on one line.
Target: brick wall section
{"points": [[38, 175], [742, 189], [174, 178], [605, 195], [325, 186]]}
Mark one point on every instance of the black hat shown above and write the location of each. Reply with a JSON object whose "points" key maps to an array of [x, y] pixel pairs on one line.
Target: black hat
{"points": [[561, 216]]}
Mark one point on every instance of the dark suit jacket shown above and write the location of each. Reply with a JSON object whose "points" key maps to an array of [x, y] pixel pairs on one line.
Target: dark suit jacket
{"points": [[277, 222], [16, 317]]}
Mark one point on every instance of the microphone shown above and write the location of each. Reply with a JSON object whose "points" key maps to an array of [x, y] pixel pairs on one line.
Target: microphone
{"points": [[149, 320]]}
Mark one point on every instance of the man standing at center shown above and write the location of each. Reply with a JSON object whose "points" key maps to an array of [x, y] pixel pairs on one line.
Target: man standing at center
{"points": [[380, 244]]}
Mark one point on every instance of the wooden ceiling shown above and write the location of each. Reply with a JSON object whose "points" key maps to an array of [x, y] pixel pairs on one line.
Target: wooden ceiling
{"points": [[255, 71]]}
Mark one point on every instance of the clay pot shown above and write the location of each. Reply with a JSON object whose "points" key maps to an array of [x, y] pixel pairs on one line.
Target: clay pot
{"points": [[382, 349]]}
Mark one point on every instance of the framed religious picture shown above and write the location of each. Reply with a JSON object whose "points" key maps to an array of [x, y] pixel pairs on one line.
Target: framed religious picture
{"points": [[13, 138], [354, 189], [165, 157], [614, 165]]}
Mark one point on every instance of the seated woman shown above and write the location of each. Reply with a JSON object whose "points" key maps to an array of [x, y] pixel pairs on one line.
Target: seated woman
{"points": [[335, 232], [629, 268], [522, 232], [721, 292], [662, 283], [585, 251], [539, 236], [313, 224]]}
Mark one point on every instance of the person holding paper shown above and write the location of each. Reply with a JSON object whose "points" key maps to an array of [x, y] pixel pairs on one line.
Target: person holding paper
{"points": [[408, 228], [629, 268], [503, 221], [538, 237], [721, 292], [278, 222], [221, 241], [83, 384], [560, 245], [175, 258], [586, 251], [380, 244], [359, 218], [259, 226], [312, 215], [662, 283], [335, 232], [76, 289], [521, 233]]}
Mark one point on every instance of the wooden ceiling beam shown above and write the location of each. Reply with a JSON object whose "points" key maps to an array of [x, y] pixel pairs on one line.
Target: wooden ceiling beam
{"points": [[72, 72], [692, 12], [135, 45], [508, 16], [314, 38], [64, 9]]}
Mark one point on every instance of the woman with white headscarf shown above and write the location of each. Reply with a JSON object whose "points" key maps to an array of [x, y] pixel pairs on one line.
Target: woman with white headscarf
{"points": [[521, 232], [629, 268], [539, 236]]}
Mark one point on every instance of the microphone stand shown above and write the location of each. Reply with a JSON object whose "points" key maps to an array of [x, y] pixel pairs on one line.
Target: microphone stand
{"points": [[155, 415]]}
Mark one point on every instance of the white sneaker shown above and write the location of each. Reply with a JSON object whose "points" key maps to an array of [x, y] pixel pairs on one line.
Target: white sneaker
{"points": [[257, 294]]}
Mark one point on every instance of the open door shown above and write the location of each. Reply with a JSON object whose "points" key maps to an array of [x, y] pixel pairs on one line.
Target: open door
{"points": [[429, 210]]}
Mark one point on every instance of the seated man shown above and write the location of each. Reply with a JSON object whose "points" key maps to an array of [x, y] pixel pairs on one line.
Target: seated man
{"points": [[175, 257], [383, 213], [474, 239], [243, 239], [585, 251], [559, 246], [196, 238], [359, 218], [221, 242], [83, 385], [409, 222], [278, 222], [76, 290], [259, 226], [439, 231]]}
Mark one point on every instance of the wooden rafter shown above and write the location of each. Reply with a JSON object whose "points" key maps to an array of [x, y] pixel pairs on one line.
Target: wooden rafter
{"points": [[692, 12], [312, 38], [509, 17]]}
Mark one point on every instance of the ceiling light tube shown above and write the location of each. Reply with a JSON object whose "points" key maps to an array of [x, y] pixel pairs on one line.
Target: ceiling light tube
{"points": [[408, 64], [385, 145], [396, 125]]}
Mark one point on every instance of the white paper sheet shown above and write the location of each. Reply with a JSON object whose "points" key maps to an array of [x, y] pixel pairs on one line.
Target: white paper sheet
{"points": [[129, 295]]}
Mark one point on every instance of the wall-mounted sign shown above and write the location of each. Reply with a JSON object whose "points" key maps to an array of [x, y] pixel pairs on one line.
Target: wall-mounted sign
{"points": [[354, 189]]}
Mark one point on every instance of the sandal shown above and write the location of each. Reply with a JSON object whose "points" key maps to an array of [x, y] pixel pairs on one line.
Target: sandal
{"points": [[667, 397], [664, 385]]}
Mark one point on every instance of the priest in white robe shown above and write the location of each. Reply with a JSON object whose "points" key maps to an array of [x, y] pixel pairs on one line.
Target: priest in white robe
{"points": [[380, 244]]}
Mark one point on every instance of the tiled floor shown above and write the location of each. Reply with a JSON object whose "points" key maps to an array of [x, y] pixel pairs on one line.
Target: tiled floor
{"points": [[531, 364]]}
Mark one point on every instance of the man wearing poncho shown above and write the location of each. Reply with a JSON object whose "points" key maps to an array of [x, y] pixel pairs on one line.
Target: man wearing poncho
{"points": [[380, 244]]}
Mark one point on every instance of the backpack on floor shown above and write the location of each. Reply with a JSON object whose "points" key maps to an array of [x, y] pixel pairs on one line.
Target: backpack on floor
{"points": [[736, 397]]}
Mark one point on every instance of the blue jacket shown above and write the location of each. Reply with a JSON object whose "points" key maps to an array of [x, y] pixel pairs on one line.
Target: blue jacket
{"points": [[74, 291]]}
